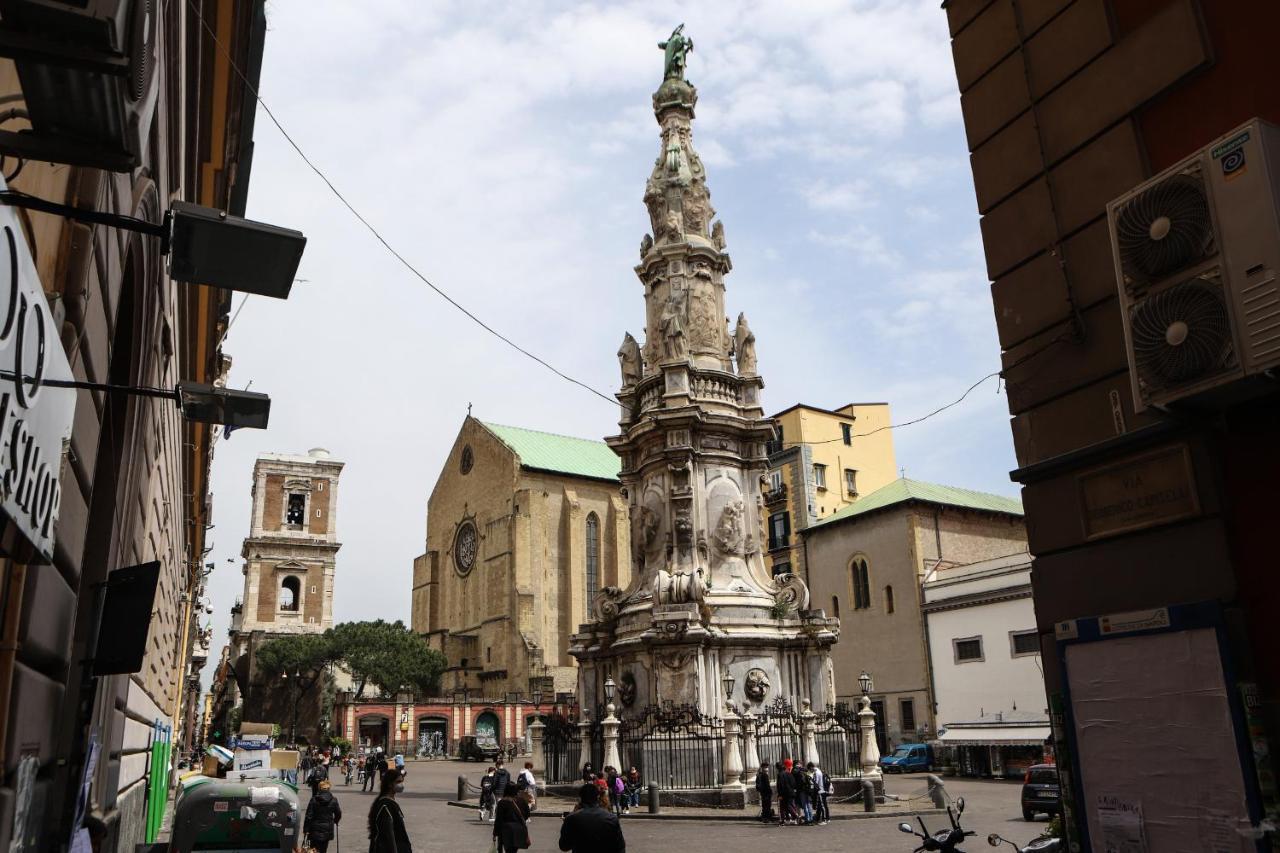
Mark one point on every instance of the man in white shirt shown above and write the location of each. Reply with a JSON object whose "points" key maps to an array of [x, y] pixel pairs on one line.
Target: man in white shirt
{"points": [[526, 782]]}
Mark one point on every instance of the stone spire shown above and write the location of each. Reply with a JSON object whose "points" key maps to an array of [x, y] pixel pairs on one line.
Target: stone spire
{"points": [[693, 447]]}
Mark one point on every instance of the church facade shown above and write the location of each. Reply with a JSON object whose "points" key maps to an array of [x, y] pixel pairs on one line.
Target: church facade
{"points": [[523, 529]]}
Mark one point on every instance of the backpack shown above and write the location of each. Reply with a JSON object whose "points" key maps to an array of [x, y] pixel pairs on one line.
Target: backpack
{"points": [[618, 784], [827, 785], [486, 785]]}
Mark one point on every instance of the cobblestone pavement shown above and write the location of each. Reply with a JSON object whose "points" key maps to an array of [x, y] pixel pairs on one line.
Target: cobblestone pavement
{"points": [[436, 826]]}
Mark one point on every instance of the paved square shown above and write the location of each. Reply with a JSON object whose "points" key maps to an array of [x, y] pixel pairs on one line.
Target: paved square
{"points": [[436, 826]]}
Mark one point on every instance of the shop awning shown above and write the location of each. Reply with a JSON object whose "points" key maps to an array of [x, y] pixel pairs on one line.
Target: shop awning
{"points": [[995, 736]]}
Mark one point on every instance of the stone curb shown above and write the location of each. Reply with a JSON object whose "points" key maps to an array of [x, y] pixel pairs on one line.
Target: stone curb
{"points": [[743, 818]]}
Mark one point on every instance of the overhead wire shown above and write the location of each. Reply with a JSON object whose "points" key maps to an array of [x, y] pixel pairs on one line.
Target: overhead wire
{"points": [[249, 85], [374, 231]]}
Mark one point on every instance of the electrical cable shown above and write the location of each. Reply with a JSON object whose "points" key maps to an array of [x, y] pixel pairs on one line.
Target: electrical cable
{"points": [[369, 227], [481, 323]]}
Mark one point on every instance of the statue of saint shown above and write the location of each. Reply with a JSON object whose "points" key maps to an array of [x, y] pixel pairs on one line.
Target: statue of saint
{"points": [[744, 345], [717, 235], [671, 324], [646, 243], [674, 50], [629, 360]]}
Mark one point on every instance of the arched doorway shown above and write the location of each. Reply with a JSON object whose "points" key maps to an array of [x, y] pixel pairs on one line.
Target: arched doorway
{"points": [[487, 729], [373, 731], [433, 736]]}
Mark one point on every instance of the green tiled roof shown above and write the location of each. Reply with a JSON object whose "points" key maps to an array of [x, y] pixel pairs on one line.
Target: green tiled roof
{"points": [[903, 490], [562, 454]]}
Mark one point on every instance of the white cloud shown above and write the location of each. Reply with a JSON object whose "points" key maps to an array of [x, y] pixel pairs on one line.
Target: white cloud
{"points": [[503, 148]]}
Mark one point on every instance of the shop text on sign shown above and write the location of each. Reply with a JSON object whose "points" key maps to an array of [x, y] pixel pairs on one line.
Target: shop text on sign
{"points": [[35, 421]]}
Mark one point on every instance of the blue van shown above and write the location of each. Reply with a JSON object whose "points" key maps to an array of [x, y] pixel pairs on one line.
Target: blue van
{"points": [[908, 758]]}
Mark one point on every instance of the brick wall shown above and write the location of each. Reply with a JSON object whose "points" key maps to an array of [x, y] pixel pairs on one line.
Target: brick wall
{"points": [[273, 502]]}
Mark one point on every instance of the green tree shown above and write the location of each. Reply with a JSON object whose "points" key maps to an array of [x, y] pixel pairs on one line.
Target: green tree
{"points": [[387, 655], [298, 653]]}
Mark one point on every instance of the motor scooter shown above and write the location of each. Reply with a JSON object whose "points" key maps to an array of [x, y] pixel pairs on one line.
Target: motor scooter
{"points": [[945, 840]]}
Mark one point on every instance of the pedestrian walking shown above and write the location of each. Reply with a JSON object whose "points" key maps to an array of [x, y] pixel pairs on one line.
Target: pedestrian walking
{"points": [[821, 791], [588, 773], [373, 774], [526, 783], [590, 828], [804, 803], [786, 793], [486, 795], [501, 778], [320, 824], [766, 793], [510, 830], [319, 773], [634, 786], [387, 833]]}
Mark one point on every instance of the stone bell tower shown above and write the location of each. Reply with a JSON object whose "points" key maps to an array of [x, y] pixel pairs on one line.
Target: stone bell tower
{"points": [[692, 444]]}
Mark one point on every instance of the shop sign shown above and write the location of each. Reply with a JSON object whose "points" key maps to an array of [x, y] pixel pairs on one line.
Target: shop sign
{"points": [[35, 420]]}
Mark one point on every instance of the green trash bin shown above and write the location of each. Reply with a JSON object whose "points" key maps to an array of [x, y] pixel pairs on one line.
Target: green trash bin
{"points": [[219, 814]]}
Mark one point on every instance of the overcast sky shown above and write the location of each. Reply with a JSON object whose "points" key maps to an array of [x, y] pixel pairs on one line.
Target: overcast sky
{"points": [[503, 149]]}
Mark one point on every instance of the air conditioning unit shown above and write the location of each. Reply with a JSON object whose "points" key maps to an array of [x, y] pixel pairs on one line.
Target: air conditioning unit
{"points": [[90, 79], [1196, 252]]}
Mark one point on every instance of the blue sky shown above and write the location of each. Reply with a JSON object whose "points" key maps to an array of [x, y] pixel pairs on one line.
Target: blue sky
{"points": [[503, 148]]}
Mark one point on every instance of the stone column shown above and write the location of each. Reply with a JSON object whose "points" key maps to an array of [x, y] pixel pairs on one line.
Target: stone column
{"points": [[611, 724], [750, 755], [732, 757], [538, 756], [584, 740], [808, 735], [870, 749]]}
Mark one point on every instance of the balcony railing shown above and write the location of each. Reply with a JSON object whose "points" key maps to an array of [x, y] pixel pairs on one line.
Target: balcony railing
{"points": [[775, 495]]}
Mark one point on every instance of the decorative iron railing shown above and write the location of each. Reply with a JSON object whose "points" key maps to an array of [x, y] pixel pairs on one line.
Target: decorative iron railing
{"points": [[674, 745]]}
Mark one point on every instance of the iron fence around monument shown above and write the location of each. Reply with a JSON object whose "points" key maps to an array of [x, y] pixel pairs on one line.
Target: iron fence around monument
{"points": [[837, 743], [562, 747], [780, 735], [676, 746]]}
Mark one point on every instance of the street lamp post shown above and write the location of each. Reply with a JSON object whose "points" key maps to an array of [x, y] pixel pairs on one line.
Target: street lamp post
{"points": [[727, 681], [610, 725]]}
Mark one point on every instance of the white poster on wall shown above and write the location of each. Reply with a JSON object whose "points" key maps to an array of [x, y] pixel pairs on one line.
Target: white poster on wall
{"points": [[1156, 744], [35, 420]]}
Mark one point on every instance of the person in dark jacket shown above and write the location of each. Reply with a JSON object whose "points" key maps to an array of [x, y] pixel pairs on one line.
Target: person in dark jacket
{"points": [[509, 822], [319, 773], [323, 815], [374, 766], [786, 792], [591, 829], [387, 833], [501, 778], [803, 803], [766, 793]]}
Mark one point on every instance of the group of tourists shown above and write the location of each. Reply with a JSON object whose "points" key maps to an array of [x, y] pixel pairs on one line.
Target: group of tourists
{"points": [[617, 791], [497, 782], [387, 833], [803, 794]]}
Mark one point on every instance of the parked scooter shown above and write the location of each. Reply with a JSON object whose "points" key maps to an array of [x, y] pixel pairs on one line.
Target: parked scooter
{"points": [[945, 840]]}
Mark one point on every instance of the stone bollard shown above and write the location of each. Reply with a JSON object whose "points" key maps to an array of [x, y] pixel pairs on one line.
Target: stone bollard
{"points": [[462, 789], [868, 795], [653, 798], [937, 791]]}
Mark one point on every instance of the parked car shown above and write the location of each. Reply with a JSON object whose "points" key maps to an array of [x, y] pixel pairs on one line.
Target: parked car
{"points": [[1041, 792], [908, 758], [469, 748]]}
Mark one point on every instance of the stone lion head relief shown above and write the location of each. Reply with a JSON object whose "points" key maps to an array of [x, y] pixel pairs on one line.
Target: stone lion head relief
{"points": [[757, 685]]}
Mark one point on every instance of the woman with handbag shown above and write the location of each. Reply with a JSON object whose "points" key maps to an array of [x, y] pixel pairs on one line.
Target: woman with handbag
{"points": [[321, 822], [510, 830], [386, 822]]}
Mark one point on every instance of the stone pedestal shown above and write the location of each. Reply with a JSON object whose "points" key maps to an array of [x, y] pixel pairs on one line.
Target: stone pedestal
{"points": [[808, 736], [870, 753], [537, 752], [750, 755], [584, 736], [610, 725]]}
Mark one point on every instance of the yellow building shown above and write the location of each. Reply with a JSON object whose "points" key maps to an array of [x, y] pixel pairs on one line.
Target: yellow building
{"points": [[523, 529], [822, 460]]}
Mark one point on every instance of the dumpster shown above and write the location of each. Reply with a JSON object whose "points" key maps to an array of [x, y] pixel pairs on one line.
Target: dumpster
{"points": [[221, 814]]}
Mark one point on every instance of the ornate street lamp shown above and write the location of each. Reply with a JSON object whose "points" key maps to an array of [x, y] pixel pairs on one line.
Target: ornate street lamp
{"points": [[537, 700], [727, 680], [609, 688], [864, 681]]}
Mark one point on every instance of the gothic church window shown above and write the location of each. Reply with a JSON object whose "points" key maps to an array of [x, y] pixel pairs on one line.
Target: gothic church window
{"points": [[593, 559], [290, 592], [861, 584]]}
